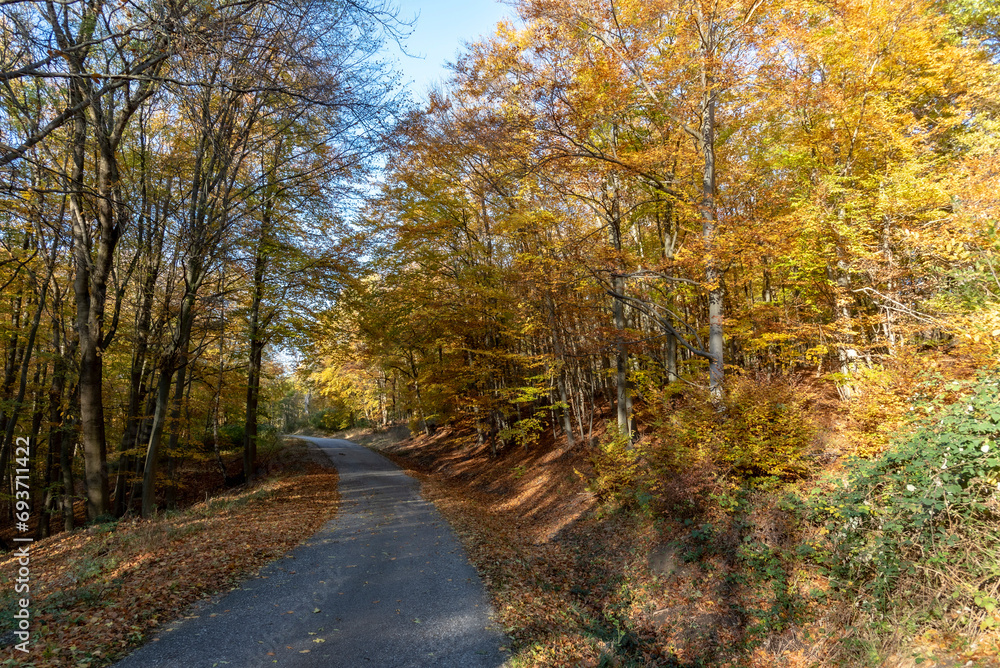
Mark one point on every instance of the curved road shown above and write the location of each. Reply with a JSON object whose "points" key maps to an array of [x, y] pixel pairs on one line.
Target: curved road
{"points": [[384, 584]]}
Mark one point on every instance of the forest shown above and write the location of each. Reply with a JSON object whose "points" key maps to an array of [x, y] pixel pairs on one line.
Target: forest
{"points": [[742, 255], [719, 248], [176, 175], [620, 199]]}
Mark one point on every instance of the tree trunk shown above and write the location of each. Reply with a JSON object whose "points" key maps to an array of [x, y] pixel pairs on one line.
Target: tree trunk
{"points": [[133, 420], [713, 276], [13, 358], [57, 434], [90, 288], [560, 371], [48, 502], [175, 420], [621, 360], [256, 357], [67, 446], [18, 403], [172, 361], [253, 403], [153, 448]]}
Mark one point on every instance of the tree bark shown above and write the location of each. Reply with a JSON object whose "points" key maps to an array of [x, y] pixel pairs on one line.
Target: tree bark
{"points": [[18, 403], [256, 352], [709, 224], [153, 448], [564, 399]]}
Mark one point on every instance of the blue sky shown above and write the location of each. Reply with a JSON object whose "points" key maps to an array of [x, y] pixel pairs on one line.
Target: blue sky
{"points": [[441, 29]]}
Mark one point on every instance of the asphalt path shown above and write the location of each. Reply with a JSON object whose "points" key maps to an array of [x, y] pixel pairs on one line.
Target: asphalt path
{"points": [[385, 583]]}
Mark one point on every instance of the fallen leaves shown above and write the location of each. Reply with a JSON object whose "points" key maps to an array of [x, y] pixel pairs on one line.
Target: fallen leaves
{"points": [[101, 591]]}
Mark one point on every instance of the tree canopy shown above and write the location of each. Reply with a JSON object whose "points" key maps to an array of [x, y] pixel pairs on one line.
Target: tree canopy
{"points": [[612, 197]]}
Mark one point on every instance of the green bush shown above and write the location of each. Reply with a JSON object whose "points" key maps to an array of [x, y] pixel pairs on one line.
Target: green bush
{"points": [[231, 436], [332, 419], [269, 439], [523, 433], [917, 530]]}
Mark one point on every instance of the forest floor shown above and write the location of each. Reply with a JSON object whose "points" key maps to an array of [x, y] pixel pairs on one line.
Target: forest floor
{"points": [[576, 583], [99, 592]]}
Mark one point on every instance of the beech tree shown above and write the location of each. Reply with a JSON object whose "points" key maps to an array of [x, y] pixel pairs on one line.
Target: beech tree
{"points": [[152, 116], [751, 186]]}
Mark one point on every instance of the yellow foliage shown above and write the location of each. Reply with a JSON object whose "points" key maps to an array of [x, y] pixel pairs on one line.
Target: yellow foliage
{"points": [[877, 410], [618, 470], [766, 429], [882, 403]]}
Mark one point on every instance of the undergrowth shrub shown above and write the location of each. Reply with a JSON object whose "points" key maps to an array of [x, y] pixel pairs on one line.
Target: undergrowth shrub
{"points": [[523, 433], [717, 474], [766, 431], [269, 441], [883, 395], [620, 473], [878, 408], [231, 436], [912, 537], [759, 440], [760, 437], [331, 419]]}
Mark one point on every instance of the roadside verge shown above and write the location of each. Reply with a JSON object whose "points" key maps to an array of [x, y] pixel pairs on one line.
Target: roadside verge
{"points": [[99, 592]]}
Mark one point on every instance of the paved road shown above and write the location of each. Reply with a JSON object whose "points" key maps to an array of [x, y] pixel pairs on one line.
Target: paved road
{"points": [[384, 584]]}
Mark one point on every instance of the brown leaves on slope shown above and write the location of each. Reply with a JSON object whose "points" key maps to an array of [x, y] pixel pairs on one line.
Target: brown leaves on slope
{"points": [[574, 584], [97, 593]]}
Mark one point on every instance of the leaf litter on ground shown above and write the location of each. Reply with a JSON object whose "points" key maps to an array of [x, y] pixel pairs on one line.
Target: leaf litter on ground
{"points": [[99, 592]]}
